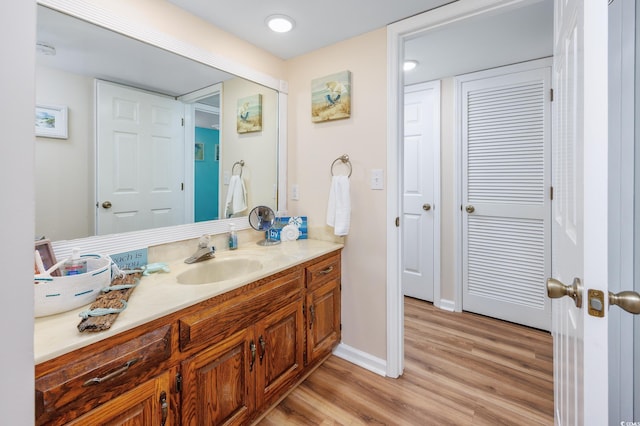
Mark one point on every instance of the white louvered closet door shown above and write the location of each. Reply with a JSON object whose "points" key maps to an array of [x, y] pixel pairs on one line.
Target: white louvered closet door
{"points": [[506, 142]]}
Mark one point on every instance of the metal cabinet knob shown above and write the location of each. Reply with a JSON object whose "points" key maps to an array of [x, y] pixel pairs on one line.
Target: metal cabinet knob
{"points": [[106, 205], [470, 209], [426, 207]]}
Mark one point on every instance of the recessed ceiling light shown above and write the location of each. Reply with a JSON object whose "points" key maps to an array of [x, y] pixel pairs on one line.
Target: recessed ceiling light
{"points": [[280, 23], [409, 64]]}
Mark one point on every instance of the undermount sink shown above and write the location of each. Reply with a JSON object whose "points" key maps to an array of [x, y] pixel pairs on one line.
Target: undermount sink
{"points": [[216, 270]]}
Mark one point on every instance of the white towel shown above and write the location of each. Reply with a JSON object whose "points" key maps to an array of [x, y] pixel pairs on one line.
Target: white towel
{"points": [[339, 207], [236, 201]]}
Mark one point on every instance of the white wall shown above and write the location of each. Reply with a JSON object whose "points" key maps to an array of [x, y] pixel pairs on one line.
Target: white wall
{"points": [[17, 28], [65, 167]]}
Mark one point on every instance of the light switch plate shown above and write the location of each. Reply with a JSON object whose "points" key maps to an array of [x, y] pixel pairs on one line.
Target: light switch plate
{"points": [[377, 179]]}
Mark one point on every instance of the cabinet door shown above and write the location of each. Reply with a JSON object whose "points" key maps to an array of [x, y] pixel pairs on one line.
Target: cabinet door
{"points": [[280, 339], [323, 320], [146, 404], [218, 384]]}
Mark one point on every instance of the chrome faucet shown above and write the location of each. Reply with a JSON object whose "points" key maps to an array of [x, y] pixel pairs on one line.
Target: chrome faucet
{"points": [[205, 251]]}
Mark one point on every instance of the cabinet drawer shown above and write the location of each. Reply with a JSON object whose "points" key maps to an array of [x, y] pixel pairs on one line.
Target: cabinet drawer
{"points": [[99, 375], [216, 323], [323, 271]]}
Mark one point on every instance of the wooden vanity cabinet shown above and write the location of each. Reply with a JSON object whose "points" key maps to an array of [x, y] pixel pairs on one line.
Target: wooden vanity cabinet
{"points": [[83, 380], [223, 361], [146, 404], [230, 381], [323, 307]]}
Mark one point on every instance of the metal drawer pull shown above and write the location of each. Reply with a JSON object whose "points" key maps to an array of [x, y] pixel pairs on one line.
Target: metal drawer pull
{"points": [[326, 270], [98, 380], [164, 406], [252, 348]]}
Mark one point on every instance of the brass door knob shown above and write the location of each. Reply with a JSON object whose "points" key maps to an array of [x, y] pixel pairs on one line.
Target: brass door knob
{"points": [[426, 207], [556, 289], [627, 300], [106, 205], [470, 209]]}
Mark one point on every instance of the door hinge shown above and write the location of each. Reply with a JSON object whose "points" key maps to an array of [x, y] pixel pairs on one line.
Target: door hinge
{"points": [[551, 193], [340, 326], [178, 383], [397, 222], [551, 95], [182, 121]]}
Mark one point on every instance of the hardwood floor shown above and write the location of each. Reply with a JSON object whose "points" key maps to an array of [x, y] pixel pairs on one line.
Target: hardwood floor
{"points": [[460, 369]]}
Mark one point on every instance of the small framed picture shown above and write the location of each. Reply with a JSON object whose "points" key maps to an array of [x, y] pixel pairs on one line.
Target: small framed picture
{"points": [[44, 248], [51, 121], [199, 152]]}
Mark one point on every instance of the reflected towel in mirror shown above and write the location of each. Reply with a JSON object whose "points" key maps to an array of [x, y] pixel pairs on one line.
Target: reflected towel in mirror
{"points": [[339, 206], [236, 201]]}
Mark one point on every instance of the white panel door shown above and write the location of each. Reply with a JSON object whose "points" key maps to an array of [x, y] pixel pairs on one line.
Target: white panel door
{"points": [[580, 179], [420, 180], [506, 146], [140, 166]]}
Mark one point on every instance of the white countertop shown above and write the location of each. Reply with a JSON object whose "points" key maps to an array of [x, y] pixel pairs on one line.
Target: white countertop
{"points": [[160, 294]]}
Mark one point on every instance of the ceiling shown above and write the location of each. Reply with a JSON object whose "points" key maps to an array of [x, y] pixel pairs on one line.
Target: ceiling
{"points": [[317, 23]]}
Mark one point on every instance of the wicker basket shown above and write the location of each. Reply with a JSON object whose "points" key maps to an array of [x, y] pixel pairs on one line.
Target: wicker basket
{"points": [[60, 294]]}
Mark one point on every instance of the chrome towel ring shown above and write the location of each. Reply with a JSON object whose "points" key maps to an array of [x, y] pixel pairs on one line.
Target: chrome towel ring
{"points": [[345, 160], [237, 163]]}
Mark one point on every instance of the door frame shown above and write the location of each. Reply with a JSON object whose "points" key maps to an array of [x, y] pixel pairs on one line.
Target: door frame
{"points": [[396, 35]]}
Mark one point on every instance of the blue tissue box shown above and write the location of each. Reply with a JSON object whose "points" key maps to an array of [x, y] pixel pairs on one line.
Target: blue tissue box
{"points": [[281, 222]]}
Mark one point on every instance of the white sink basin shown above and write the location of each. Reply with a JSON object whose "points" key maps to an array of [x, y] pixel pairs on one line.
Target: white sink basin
{"points": [[215, 270]]}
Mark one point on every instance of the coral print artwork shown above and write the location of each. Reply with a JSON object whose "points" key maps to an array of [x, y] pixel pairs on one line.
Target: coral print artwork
{"points": [[331, 97]]}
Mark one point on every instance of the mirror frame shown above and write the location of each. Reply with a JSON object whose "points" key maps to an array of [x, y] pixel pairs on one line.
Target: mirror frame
{"points": [[119, 243]]}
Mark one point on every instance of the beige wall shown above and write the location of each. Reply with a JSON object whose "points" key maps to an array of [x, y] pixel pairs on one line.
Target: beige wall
{"points": [[64, 167], [258, 149], [312, 149]]}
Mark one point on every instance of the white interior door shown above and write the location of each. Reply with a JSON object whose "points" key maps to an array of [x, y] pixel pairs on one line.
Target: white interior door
{"points": [[506, 141], [421, 178], [140, 160], [580, 179]]}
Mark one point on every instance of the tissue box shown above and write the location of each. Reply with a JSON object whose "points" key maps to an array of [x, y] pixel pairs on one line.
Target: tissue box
{"points": [[280, 222]]}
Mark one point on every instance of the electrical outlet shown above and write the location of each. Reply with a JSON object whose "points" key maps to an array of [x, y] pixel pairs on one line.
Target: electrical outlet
{"points": [[377, 179], [295, 192]]}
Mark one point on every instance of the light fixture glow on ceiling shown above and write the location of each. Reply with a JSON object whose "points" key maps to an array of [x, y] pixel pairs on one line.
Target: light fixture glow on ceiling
{"points": [[409, 65], [280, 23]]}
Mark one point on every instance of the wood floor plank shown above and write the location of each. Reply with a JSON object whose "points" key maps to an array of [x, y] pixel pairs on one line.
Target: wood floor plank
{"points": [[460, 369]]}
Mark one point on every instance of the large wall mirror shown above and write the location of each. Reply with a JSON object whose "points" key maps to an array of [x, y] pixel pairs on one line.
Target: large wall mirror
{"points": [[159, 146]]}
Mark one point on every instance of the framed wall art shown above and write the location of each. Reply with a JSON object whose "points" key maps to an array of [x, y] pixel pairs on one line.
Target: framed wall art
{"points": [[249, 116], [199, 151], [331, 97], [51, 121]]}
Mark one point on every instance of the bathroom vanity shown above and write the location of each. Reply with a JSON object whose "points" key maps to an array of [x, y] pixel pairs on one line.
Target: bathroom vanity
{"points": [[213, 353]]}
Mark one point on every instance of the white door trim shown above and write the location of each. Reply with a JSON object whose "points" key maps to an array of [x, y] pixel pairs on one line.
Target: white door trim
{"points": [[396, 34]]}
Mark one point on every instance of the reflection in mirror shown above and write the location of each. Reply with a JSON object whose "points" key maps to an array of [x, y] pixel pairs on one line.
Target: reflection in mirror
{"points": [[152, 136]]}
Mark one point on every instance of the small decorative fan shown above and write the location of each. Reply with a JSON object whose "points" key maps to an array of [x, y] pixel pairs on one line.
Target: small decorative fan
{"points": [[261, 218]]}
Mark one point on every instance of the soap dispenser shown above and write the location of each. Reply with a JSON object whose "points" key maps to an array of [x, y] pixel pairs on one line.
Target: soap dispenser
{"points": [[233, 237], [75, 265]]}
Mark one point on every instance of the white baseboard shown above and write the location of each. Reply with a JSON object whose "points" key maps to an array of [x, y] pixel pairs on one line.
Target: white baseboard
{"points": [[362, 359], [447, 305]]}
